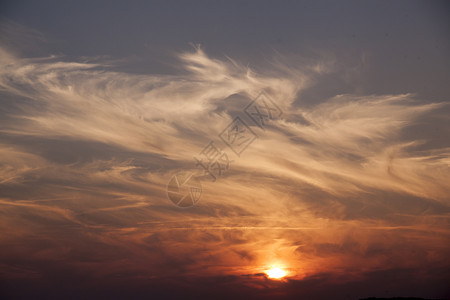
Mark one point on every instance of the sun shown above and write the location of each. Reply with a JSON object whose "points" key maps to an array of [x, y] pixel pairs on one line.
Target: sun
{"points": [[276, 273]]}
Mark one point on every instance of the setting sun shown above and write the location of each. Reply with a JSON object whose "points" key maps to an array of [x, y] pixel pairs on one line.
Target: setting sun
{"points": [[276, 273]]}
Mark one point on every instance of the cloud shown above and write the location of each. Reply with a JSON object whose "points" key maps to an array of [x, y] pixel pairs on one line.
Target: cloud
{"points": [[337, 187]]}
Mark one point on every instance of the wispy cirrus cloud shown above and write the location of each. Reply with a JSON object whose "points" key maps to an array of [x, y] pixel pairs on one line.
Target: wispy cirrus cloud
{"points": [[91, 150], [149, 113]]}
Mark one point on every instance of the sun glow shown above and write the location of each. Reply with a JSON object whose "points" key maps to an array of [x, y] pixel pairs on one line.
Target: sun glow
{"points": [[276, 273]]}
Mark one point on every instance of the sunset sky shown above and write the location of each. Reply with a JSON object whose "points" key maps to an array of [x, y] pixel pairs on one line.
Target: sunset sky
{"points": [[342, 181]]}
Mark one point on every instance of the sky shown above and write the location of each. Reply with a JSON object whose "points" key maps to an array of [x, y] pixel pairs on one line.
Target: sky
{"points": [[181, 149]]}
